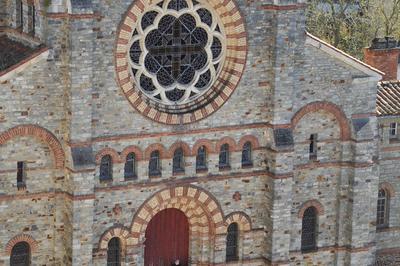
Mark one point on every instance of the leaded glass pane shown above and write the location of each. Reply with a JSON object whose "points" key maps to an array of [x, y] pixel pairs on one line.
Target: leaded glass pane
{"points": [[154, 163], [178, 162], [130, 166], [224, 156], [309, 230], [114, 252], [382, 209], [246, 154], [232, 242], [20, 255], [106, 167], [180, 51], [201, 158]]}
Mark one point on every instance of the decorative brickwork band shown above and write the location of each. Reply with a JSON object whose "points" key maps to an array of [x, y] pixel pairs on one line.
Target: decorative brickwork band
{"points": [[185, 147], [311, 203], [226, 140], [235, 52], [33, 244], [202, 210], [248, 138], [388, 188], [40, 133], [136, 150], [241, 219], [155, 147], [345, 131], [203, 142], [121, 232]]}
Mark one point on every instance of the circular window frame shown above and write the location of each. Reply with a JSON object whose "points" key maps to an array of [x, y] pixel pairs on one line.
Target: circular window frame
{"points": [[224, 85]]}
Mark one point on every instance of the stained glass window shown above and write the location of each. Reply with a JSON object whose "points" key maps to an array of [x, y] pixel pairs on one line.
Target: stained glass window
{"points": [[154, 164], [179, 43], [130, 166], [224, 156], [309, 230], [106, 168], [20, 254], [178, 161], [201, 158], [246, 154], [382, 211], [232, 242], [114, 252]]}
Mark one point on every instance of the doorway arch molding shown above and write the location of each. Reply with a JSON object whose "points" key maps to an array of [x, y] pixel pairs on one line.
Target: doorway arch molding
{"points": [[203, 211]]}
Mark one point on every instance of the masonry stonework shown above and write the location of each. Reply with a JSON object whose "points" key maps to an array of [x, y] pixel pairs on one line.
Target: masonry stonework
{"points": [[65, 113]]}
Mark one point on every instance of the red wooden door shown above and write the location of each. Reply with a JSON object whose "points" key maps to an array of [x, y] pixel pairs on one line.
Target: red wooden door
{"points": [[167, 239]]}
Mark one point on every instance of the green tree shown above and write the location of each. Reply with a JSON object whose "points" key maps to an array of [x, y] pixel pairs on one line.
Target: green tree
{"points": [[351, 25]]}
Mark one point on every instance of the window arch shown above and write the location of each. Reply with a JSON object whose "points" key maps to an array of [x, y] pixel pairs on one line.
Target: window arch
{"points": [[232, 238], [382, 209], [224, 156], [106, 167], [178, 163], [130, 166], [201, 158], [20, 254], [309, 230], [114, 252], [247, 154], [154, 163]]}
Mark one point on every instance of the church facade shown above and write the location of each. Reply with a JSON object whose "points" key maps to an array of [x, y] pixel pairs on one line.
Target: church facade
{"points": [[199, 132]]}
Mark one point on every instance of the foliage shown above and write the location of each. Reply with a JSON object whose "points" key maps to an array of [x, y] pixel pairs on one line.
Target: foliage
{"points": [[351, 25]]}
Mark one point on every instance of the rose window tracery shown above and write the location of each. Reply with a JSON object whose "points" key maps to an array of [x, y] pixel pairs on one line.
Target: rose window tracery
{"points": [[176, 52]]}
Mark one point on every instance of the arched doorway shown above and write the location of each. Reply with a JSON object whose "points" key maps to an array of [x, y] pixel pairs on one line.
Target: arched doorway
{"points": [[167, 239]]}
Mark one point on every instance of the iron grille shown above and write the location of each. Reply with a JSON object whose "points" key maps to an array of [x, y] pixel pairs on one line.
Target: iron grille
{"points": [[232, 242], [114, 252], [224, 156], [246, 154], [178, 161], [201, 158], [20, 255], [154, 163], [130, 166], [106, 168], [382, 209], [309, 230]]}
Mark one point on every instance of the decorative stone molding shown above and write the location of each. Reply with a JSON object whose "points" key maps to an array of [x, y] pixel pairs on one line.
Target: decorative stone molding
{"points": [[242, 219], [311, 203], [136, 150], [154, 147], [388, 188], [180, 144], [345, 132], [108, 151], [226, 140], [118, 231], [40, 133], [252, 139], [33, 244], [203, 142], [201, 208]]}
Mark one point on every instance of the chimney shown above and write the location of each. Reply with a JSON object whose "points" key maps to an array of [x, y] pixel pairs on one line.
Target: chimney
{"points": [[383, 54]]}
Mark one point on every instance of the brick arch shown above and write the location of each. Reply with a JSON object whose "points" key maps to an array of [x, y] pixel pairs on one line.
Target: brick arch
{"points": [[345, 132], [33, 244], [242, 219], [311, 203], [200, 207], [252, 139], [180, 144], [230, 141], [138, 152], [203, 142], [108, 151], [118, 231], [388, 188], [40, 133], [154, 147]]}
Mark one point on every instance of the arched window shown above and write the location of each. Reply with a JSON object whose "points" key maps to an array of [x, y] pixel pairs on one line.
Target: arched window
{"points": [[382, 209], [19, 13], [178, 161], [309, 230], [154, 164], [114, 252], [201, 158], [106, 168], [224, 156], [20, 254], [246, 154], [232, 242], [130, 166]]}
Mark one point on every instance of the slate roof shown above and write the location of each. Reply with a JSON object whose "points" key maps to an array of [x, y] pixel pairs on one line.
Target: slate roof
{"points": [[388, 98], [12, 52]]}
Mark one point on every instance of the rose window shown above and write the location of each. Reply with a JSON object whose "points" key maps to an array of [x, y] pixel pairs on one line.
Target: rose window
{"points": [[176, 52]]}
